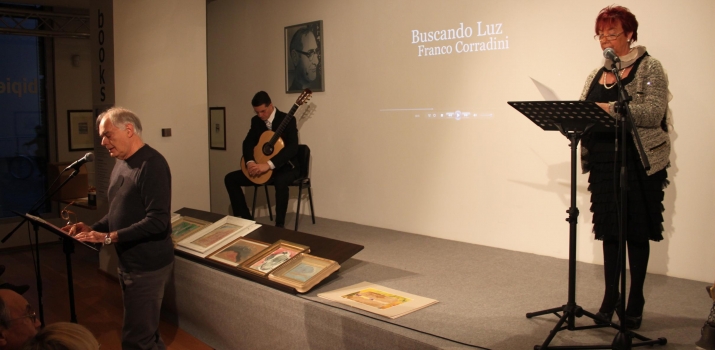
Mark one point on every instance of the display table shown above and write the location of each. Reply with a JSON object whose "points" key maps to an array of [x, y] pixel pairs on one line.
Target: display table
{"points": [[327, 248]]}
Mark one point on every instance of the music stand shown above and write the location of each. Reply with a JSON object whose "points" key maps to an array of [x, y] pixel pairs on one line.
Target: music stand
{"points": [[36, 257], [67, 247], [573, 119]]}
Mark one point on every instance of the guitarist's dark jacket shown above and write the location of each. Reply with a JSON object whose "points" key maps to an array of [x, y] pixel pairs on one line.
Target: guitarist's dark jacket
{"points": [[287, 158]]}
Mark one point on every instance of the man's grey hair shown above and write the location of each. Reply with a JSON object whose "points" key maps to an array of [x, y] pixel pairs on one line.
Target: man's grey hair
{"points": [[120, 117], [4, 315]]}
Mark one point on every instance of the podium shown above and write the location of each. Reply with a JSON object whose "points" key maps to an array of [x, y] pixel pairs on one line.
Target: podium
{"points": [[67, 247], [573, 119]]}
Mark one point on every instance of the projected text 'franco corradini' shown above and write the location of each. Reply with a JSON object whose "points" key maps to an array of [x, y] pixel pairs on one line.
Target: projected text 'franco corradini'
{"points": [[484, 37]]}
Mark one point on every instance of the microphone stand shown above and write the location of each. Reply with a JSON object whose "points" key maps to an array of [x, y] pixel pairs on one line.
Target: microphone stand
{"points": [[624, 338], [68, 247]]}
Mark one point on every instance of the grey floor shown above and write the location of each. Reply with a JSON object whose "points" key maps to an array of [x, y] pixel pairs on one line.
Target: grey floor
{"points": [[484, 293]]}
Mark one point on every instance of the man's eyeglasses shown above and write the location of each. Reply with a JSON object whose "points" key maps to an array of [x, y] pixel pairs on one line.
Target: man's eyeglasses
{"points": [[310, 54], [32, 315], [609, 37]]}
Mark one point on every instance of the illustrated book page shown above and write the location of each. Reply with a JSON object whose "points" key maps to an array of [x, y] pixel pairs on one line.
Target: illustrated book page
{"points": [[378, 299]]}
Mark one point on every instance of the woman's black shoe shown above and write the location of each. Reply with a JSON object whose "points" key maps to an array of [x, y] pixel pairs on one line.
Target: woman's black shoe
{"points": [[604, 318], [633, 322], [634, 308]]}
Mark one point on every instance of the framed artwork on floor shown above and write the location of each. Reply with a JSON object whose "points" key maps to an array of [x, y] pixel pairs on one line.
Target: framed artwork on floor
{"points": [[378, 299]]}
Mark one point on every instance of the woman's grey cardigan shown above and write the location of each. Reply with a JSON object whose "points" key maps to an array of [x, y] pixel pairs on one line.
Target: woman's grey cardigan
{"points": [[649, 90]]}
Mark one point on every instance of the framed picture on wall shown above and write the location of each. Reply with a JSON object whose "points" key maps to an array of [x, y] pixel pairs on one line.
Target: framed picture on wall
{"points": [[217, 127], [80, 130], [304, 57]]}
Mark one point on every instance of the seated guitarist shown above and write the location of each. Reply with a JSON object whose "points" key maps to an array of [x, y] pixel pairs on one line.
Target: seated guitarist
{"points": [[284, 163]]}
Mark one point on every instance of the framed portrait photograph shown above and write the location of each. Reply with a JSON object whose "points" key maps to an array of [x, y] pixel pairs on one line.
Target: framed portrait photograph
{"points": [[219, 232], [272, 257], [304, 57], [186, 226], [304, 272], [80, 130], [238, 251], [217, 128]]}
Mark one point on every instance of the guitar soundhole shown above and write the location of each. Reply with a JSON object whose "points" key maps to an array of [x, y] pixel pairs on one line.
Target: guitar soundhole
{"points": [[267, 148]]}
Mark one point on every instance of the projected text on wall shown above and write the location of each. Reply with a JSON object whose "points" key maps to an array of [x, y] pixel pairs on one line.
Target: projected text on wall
{"points": [[484, 37]]}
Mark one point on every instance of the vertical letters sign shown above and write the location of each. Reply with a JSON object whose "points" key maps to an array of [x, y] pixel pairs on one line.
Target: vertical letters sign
{"points": [[100, 40], [102, 45]]}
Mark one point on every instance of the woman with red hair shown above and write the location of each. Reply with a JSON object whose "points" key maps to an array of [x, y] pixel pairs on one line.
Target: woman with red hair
{"points": [[645, 81]]}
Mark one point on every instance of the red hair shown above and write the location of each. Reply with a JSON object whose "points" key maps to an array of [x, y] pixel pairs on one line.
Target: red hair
{"points": [[612, 14]]}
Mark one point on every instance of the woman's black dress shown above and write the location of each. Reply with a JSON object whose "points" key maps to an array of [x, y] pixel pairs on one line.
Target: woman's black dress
{"points": [[645, 193]]}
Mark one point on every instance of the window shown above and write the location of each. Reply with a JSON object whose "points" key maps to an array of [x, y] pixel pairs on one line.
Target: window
{"points": [[24, 132]]}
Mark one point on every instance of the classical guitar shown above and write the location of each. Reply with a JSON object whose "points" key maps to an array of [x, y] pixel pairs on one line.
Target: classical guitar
{"points": [[270, 143]]}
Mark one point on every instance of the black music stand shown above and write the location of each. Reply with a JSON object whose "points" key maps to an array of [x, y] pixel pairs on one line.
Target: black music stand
{"points": [[36, 257], [67, 248], [573, 119]]}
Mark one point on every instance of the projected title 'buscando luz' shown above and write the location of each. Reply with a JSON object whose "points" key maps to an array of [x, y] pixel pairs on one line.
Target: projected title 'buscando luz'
{"points": [[483, 38]]}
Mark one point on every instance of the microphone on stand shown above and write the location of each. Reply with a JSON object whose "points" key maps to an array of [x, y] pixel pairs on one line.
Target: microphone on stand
{"points": [[88, 158], [611, 55]]}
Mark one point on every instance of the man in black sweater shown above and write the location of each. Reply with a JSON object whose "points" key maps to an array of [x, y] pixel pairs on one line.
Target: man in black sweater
{"points": [[284, 163], [137, 224]]}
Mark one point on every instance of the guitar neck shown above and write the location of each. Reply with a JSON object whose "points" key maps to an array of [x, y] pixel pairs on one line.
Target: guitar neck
{"points": [[284, 124]]}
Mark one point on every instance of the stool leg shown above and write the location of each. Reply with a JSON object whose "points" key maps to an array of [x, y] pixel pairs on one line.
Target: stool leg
{"points": [[297, 211], [253, 210], [312, 212], [268, 200]]}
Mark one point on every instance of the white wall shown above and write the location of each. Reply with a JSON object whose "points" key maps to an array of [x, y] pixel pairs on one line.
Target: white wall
{"points": [[73, 91], [498, 181], [73, 88], [160, 73]]}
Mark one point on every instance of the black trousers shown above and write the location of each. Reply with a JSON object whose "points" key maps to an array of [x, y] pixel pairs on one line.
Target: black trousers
{"points": [[280, 179], [142, 293]]}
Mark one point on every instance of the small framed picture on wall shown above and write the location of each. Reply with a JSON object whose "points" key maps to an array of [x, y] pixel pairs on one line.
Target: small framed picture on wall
{"points": [[217, 127], [80, 130]]}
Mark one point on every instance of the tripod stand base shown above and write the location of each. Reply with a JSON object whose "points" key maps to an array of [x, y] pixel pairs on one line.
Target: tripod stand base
{"points": [[622, 341], [570, 312]]}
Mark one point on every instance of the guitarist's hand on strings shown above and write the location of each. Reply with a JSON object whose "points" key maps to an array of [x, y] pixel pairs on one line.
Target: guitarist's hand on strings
{"points": [[257, 169]]}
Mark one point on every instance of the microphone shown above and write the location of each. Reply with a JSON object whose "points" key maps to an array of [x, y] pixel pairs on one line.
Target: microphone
{"points": [[89, 157], [611, 55]]}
